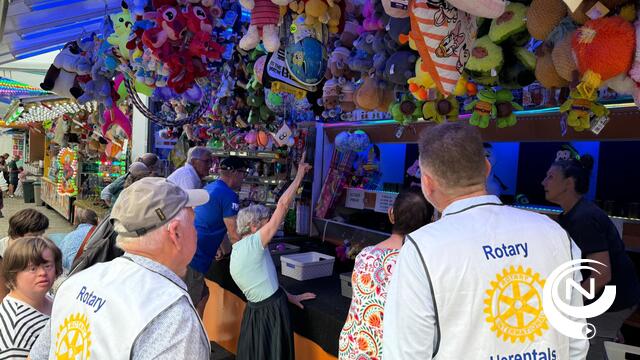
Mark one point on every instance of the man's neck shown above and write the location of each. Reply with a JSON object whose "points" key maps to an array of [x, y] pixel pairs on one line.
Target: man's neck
{"points": [[226, 180], [454, 198], [160, 259]]}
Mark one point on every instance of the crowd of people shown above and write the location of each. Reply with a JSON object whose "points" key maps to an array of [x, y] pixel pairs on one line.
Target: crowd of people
{"points": [[135, 280]]}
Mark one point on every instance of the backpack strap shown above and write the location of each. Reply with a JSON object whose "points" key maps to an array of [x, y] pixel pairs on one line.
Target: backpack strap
{"points": [[84, 242]]}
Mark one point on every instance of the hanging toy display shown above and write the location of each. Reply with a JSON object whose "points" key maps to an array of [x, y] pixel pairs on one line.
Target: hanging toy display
{"points": [[579, 109], [67, 162]]}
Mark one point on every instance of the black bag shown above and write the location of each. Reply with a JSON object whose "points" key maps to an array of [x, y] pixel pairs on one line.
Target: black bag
{"points": [[101, 247]]}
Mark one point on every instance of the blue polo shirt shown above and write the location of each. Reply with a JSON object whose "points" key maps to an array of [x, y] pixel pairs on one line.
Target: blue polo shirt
{"points": [[209, 222]]}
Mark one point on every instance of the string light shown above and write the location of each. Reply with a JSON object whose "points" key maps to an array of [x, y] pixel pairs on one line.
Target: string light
{"points": [[35, 112], [67, 157], [13, 89]]}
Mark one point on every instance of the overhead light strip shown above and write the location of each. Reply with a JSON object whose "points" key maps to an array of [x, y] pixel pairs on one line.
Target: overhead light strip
{"points": [[60, 29]]}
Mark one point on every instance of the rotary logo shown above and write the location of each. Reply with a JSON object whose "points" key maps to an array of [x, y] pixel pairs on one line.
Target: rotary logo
{"points": [[514, 305], [74, 338]]}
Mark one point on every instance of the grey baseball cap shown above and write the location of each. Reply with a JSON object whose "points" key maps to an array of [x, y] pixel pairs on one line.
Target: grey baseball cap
{"points": [[150, 203]]}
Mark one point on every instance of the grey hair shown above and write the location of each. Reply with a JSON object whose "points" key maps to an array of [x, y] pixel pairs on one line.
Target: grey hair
{"points": [[151, 240], [197, 153], [251, 216], [86, 216]]}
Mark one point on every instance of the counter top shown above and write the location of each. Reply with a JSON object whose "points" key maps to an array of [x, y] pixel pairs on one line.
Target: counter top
{"points": [[321, 320]]}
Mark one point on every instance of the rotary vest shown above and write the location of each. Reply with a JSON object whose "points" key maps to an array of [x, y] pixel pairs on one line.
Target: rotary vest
{"points": [[100, 313], [490, 306]]}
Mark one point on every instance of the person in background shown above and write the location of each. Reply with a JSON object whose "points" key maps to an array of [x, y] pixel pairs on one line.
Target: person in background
{"points": [[22, 176], [189, 176], [213, 221], [495, 185], [152, 161], [72, 242], [110, 193], [372, 271], [14, 170], [26, 222], [458, 289], [566, 184], [30, 267], [137, 171], [135, 306], [265, 332]]}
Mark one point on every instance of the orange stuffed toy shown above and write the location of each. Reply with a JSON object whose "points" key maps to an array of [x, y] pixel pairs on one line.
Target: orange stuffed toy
{"points": [[603, 49]]}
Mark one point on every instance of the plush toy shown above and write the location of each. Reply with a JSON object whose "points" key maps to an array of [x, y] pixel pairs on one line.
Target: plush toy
{"points": [[342, 141], [347, 90], [396, 8], [184, 70], [594, 45], [486, 60], [543, 16], [511, 22], [397, 30], [338, 65], [420, 84], [578, 110], [400, 67], [371, 23], [170, 24], [265, 16], [518, 69], [369, 94], [545, 69], [115, 116], [330, 95], [563, 60], [442, 109], [443, 36], [505, 107], [484, 108], [122, 24], [407, 110], [634, 73], [62, 76], [350, 33]]}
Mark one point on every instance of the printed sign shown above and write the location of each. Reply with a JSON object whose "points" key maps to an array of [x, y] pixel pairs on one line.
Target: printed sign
{"points": [[355, 199], [384, 201]]}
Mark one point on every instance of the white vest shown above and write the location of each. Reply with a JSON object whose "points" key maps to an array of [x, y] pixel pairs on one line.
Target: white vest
{"points": [[99, 313], [490, 306]]}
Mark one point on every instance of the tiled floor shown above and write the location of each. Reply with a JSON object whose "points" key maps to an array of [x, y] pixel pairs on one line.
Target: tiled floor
{"points": [[57, 224]]}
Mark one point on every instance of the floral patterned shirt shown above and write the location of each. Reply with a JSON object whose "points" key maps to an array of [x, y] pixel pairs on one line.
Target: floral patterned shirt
{"points": [[361, 336]]}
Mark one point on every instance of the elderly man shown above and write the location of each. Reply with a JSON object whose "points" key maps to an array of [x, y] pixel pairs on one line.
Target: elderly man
{"points": [[190, 176], [136, 306], [137, 171], [469, 286]]}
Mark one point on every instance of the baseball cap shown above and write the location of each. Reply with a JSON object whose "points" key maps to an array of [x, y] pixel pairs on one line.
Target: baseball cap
{"points": [[150, 203], [233, 163]]}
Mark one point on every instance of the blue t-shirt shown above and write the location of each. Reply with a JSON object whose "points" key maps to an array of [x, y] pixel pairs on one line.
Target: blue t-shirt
{"points": [[209, 222]]}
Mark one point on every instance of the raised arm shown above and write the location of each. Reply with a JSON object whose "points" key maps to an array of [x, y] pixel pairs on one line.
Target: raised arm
{"points": [[269, 229]]}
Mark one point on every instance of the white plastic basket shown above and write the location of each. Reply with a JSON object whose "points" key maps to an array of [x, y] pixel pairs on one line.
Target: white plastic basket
{"points": [[306, 266]]}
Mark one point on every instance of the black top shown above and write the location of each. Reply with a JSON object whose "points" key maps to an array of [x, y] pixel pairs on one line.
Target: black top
{"points": [[593, 231]]}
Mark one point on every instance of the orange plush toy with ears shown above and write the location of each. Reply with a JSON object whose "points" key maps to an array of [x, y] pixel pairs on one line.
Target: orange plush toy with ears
{"points": [[603, 49]]}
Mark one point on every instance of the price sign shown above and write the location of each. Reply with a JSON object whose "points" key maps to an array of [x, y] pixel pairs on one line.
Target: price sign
{"points": [[384, 201], [355, 199]]}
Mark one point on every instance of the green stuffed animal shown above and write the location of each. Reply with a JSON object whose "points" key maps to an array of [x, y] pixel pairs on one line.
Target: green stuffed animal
{"points": [[407, 110], [442, 109], [580, 108], [484, 108], [505, 107]]}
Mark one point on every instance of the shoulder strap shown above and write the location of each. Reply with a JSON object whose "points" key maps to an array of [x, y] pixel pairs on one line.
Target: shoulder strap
{"points": [[84, 242], [436, 346]]}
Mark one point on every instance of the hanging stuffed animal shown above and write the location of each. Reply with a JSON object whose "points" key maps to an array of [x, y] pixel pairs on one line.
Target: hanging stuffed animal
{"points": [[578, 110], [170, 25], [484, 108], [122, 24], [603, 49], [62, 76], [504, 108], [265, 16], [442, 109]]}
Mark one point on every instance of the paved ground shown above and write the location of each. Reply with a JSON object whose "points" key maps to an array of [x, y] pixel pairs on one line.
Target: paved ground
{"points": [[57, 224]]}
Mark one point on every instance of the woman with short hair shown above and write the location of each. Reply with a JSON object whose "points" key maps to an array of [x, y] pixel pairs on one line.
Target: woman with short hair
{"points": [[265, 333]]}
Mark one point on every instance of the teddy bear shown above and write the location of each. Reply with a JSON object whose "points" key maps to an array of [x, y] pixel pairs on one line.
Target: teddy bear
{"points": [[62, 75], [265, 16], [338, 64]]}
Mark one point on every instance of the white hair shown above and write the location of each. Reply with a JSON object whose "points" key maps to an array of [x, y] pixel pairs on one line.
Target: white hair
{"points": [[251, 216], [197, 152], [152, 239]]}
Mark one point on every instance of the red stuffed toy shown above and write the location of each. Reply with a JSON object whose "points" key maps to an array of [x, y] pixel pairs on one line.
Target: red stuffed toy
{"points": [[184, 69], [170, 25], [202, 45]]}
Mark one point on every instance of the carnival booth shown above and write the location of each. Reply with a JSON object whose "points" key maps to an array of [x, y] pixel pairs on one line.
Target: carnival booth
{"points": [[353, 83]]}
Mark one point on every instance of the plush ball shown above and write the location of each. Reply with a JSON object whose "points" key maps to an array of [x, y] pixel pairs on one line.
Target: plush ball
{"points": [[251, 137], [342, 141], [603, 49], [359, 141]]}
